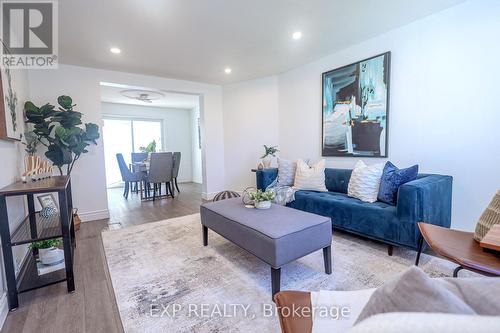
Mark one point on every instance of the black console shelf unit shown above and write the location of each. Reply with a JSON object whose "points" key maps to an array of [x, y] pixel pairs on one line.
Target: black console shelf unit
{"points": [[35, 228]]}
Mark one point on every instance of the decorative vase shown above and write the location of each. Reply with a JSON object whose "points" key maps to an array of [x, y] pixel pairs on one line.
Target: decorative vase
{"points": [[266, 161], [263, 204], [51, 255]]}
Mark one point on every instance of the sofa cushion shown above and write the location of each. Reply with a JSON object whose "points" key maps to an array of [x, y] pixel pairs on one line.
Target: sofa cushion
{"points": [[377, 220], [337, 180], [392, 179], [310, 177], [365, 181]]}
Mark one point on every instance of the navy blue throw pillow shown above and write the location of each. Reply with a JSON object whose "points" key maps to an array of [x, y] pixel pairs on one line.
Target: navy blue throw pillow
{"points": [[392, 179]]}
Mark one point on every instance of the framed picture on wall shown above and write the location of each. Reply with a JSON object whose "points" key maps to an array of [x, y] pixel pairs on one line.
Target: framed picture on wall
{"points": [[12, 94], [355, 108]]}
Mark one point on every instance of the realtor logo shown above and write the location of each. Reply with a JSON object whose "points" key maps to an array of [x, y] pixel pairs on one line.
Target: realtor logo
{"points": [[29, 34]]}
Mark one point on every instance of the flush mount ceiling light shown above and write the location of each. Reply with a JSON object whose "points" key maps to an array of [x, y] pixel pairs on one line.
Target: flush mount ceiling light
{"points": [[115, 50], [227, 70], [297, 35], [146, 96]]}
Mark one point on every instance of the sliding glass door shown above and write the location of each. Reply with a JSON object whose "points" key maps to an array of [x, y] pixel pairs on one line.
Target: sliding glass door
{"points": [[125, 136]]}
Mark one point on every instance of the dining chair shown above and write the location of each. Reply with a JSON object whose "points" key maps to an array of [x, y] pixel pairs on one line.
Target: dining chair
{"points": [[135, 158], [160, 171], [127, 175], [175, 169]]}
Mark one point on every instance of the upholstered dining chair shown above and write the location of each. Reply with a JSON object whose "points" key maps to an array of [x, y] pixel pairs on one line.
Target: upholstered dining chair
{"points": [[128, 176], [160, 171], [459, 247], [135, 158], [175, 169], [139, 157]]}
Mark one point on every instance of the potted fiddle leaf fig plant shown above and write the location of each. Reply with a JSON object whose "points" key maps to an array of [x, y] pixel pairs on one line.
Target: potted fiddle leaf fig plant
{"points": [[61, 132], [262, 199]]}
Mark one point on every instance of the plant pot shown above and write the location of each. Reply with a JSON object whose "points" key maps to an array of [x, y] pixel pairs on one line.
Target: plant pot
{"points": [[51, 255], [263, 204], [266, 162]]}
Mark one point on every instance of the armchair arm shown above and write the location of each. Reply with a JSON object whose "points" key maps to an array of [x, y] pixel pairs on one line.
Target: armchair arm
{"points": [[265, 177], [426, 199]]}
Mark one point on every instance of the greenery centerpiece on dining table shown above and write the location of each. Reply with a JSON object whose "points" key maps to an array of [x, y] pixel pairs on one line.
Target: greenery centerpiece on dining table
{"points": [[60, 131]]}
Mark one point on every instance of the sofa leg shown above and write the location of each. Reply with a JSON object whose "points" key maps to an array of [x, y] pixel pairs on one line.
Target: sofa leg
{"points": [[455, 272], [327, 258], [420, 245], [275, 281], [389, 249]]}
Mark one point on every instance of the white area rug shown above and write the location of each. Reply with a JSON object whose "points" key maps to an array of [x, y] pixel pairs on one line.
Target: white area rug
{"points": [[165, 280]]}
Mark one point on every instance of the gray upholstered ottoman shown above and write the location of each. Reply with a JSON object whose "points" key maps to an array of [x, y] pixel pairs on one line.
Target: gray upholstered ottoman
{"points": [[277, 235]]}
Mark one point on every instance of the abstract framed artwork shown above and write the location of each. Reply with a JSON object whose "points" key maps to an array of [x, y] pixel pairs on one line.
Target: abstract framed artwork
{"points": [[355, 108], [13, 90]]}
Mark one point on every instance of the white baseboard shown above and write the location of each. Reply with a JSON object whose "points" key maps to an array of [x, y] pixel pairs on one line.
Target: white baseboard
{"points": [[94, 216], [208, 196], [4, 308]]}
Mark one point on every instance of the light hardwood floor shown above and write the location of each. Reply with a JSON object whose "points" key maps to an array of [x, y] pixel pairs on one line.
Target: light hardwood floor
{"points": [[92, 308]]}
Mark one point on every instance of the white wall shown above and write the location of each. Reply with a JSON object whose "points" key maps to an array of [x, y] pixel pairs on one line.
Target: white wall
{"points": [[176, 129], [82, 84], [250, 121], [195, 147], [11, 167], [444, 111]]}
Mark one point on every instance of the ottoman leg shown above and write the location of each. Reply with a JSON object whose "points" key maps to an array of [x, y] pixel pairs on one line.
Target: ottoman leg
{"points": [[205, 235], [275, 280], [327, 258]]}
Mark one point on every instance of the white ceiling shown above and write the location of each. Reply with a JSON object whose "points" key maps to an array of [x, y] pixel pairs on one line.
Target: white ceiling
{"points": [[197, 39], [110, 93]]}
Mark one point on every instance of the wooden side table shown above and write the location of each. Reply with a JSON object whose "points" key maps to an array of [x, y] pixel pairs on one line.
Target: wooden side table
{"points": [[36, 228]]}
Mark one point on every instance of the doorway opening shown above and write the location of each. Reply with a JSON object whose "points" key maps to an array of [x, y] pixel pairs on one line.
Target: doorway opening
{"points": [[146, 120]]}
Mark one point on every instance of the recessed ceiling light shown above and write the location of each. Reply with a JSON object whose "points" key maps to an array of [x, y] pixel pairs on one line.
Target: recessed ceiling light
{"points": [[297, 35], [115, 50], [227, 70]]}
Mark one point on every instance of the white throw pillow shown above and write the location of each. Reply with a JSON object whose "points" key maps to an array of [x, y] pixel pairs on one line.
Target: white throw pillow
{"points": [[310, 177], [365, 181]]}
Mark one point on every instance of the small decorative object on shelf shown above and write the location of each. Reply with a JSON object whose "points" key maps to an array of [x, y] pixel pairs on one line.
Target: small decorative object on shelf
{"points": [[268, 153], [36, 168], [262, 199], [76, 219], [47, 212], [47, 201], [48, 251]]}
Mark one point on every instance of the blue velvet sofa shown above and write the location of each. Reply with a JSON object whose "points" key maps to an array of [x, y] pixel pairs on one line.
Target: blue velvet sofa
{"points": [[428, 198]]}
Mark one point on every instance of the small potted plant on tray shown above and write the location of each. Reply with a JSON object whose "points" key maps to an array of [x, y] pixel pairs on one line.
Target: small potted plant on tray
{"points": [[48, 251], [262, 199]]}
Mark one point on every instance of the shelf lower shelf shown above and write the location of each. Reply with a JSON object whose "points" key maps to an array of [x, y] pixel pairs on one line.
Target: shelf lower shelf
{"points": [[29, 279]]}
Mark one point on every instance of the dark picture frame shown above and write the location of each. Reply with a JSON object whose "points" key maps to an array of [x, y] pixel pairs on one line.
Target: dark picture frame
{"points": [[47, 200], [355, 108]]}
